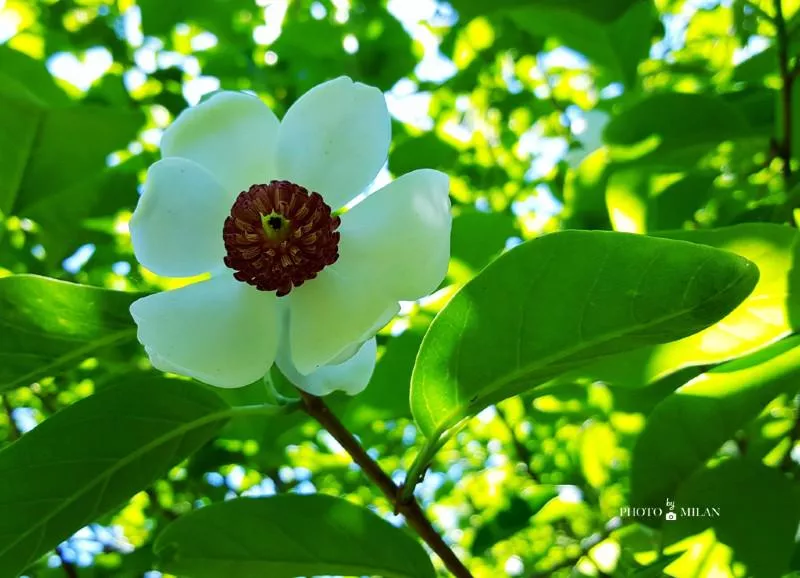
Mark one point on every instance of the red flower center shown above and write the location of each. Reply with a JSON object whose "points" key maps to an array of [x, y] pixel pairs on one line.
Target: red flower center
{"points": [[279, 236]]}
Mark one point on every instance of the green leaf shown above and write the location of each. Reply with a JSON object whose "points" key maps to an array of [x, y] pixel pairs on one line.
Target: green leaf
{"points": [[48, 326], [585, 204], [688, 427], [597, 451], [55, 164], [39, 159], [386, 397], [617, 44], [642, 199], [627, 197], [675, 129], [656, 569], [90, 457], [286, 536], [512, 519], [678, 202], [769, 313], [158, 19], [758, 516], [603, 12], [422, 152], [560, 301], [479, 237], [16, 67]]}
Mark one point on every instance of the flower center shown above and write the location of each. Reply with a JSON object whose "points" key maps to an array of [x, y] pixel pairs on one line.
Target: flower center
{"points": [[279, 236]]}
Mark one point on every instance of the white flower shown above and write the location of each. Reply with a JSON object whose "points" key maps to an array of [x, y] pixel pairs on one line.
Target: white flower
{"points": [[283, 240]]}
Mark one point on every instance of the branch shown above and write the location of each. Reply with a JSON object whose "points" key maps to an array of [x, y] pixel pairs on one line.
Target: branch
{"points": [[13, 430], [586, 545], [787, 464], [411, 510], [70, 569], [788, 76], [522, 452]]}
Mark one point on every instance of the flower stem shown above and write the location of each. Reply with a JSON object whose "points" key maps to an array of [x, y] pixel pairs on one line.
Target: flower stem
{"points": [[419, 467], [411, 510]]}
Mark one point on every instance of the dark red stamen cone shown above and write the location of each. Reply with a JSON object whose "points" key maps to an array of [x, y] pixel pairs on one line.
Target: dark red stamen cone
{"points": [[279, 236]]}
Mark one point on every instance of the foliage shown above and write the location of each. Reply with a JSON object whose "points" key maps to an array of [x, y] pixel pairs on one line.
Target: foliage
{"points": [[615, 338]]}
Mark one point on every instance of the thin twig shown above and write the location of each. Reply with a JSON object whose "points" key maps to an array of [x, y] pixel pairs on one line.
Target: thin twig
{"points": [[411, 510], [523, 454], [13, 429], [586, 545], [788, 464], [788, 76], [70, 569]]}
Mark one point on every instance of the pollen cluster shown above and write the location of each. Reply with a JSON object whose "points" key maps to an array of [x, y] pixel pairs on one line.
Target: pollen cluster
{"points": [[279, 236]]}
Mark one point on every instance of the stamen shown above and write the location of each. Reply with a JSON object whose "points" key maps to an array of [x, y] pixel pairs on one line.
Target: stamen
{"points": [[279, 236]]}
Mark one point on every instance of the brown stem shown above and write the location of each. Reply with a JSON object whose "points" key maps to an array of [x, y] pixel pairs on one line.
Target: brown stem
{"points": [[586, 546], [522, 452], [411, 510], [787, 80], [70, 569], [13, 430], [788, 464]]}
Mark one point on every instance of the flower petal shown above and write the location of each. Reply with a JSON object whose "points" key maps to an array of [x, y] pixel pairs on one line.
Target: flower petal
{"points": [[219, 331], [335, 139], [403, 232], [176, 229], [232, 134], [350, 376], [395, 245]]}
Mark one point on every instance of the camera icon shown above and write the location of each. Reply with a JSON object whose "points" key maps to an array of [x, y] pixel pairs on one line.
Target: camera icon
{"points": [[671, 516]]}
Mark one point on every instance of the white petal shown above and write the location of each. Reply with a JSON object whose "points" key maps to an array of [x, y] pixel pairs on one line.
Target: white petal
{"points": [[395, 245], [176, 229], [335, 139], [232, 134], [351, 375], [220, 331], [403, 232], [331, 313]]}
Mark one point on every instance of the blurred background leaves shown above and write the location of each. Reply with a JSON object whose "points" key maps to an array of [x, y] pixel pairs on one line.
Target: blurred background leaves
{"points": [[642, 116]]}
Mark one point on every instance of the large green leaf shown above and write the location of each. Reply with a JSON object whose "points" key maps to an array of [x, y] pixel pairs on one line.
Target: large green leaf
{"points": [[39, 159], [560, 301], [286, 536], [90, 457], [769, 313], [49, 326], [32, 73], [758, 516], [46, 160], [688, 427]]}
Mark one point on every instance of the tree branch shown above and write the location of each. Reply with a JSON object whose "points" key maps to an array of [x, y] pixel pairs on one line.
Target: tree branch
{"points": [[522, 452], [70, 569], [13, 430], [586, 545], [787, 463], [788, 75], [411, 510]]}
